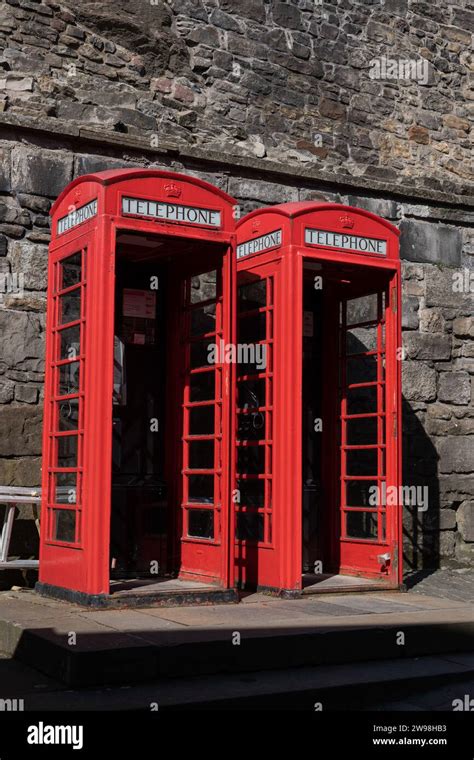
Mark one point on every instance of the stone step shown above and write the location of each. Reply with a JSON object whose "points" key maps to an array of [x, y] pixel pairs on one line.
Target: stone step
{"points": [[111, 657]]}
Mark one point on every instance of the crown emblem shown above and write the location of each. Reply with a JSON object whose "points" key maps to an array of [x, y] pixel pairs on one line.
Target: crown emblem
{"points": [[256, 225], [77, 195], [172, 190], [346, 221]]}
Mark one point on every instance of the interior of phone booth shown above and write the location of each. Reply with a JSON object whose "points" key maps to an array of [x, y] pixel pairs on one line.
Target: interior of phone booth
{"points": [[343, 358], [167, 292]]}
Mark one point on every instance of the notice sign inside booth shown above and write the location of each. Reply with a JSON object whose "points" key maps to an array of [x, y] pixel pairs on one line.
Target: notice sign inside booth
{"points": [[345, 241], [172, 212], [138, 316]]}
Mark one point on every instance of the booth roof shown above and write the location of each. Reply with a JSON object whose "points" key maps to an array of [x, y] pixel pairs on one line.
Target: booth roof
{"points": [[111, 176], [297, 208]]}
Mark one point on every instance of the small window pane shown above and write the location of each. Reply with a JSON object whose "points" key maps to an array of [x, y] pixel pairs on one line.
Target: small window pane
{"points": [[64, 525], [68, 415], [250, 526], [201, 420], [201, 489], [361, 370], [70, 342], [362, 493], [360, 339], [201, 523], [204, 287], [67, 451], [251, 426], [363, 462], [361, 525], [363, 309], [251, 460], [201, 455], [202, 354], [69, 307], [251, 493], [252, 359], [362, 400], [65, 488], [203, 320], [361, 431], [252, 329], [71, 271], [251, 393], [202, 386], [252, 295], [69, 379]]}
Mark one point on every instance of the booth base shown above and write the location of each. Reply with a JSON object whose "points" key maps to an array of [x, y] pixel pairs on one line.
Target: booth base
{"points": [[140, 593]]}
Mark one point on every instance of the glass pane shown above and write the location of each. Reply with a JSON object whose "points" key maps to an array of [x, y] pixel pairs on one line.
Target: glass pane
{"points": [[361, 431], [360, 339], [251, 460], [361, 370], [201, 489], [67, 451], [252, 358], [201, 420], [201, 455], [251, 426], [251, 493], [249, 526], [69, 307], [252, 295], [363, 462], [69, 379], [202, 386], [203, 320], [362, 400], [251, 393], [203, 287], [65, 488], [201, 523], [64, 525], [361, 493], [68, 415], [70, 342], [363, 309], [202, 354], [252, 329], [71, 271], [361, 525]]}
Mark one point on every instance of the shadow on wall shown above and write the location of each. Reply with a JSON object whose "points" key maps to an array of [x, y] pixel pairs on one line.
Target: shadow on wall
{"points": [[421, 521]]}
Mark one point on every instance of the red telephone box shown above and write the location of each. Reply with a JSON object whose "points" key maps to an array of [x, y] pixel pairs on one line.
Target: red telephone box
{"points": [[318, 413], [136, 415]]}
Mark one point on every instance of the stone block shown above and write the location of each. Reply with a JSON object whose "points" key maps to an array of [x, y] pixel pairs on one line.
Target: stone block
{"points": [[410, 317], [441, 289], [431, 243], [418, 381], [454, 388], [21, 431], [456, 454], [427, 346], [40, 172], [30, 260], [465, 520], [22, 340]]}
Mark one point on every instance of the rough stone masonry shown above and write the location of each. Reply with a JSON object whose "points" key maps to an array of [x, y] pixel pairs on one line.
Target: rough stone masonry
{"points": [[272, 101]]}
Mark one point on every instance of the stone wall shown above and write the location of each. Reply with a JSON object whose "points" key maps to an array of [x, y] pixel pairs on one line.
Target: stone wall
{"points": [[237, 93]]}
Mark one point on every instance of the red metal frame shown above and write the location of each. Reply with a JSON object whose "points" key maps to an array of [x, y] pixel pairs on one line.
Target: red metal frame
{"points": [[275, 242], [92, 209]]}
